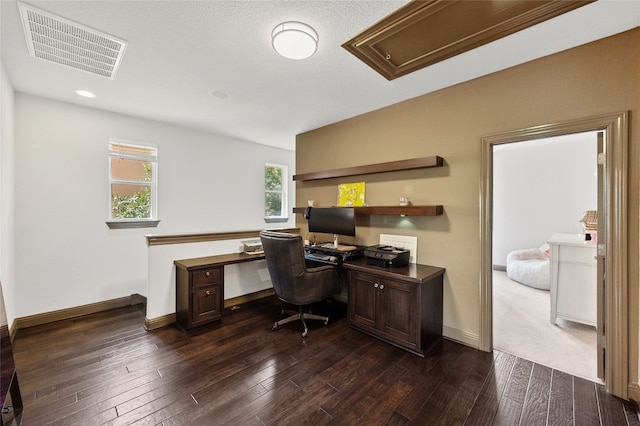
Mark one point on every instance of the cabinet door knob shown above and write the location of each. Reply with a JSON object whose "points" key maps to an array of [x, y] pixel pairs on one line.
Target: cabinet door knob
{"points": [[375, 285], [208, 293], [207, 273], [381, 286]]}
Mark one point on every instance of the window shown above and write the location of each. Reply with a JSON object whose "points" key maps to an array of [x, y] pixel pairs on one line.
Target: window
{"points": [[275, 192], [133, 171]]}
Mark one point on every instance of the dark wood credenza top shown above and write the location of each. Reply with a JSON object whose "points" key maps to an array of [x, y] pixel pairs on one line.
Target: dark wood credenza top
{"points": [[415, 273]]}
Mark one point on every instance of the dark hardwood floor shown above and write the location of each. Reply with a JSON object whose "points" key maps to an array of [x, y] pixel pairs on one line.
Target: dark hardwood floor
{"points": [[106, 369]]}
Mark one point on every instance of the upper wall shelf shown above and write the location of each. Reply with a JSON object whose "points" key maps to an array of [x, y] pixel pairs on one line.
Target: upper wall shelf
{"points": [[392, 166], [391, 210]]}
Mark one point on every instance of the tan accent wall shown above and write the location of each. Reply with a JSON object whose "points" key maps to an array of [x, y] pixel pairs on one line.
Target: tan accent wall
{"points": [[597, 78]]}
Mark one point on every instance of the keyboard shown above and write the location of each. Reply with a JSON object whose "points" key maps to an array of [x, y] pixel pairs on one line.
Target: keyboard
{"points": [[329, 255], [323, 258]]}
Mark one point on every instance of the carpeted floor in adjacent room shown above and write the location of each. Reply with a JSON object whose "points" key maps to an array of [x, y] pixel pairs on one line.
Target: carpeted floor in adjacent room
{"points": [[521, 327]]}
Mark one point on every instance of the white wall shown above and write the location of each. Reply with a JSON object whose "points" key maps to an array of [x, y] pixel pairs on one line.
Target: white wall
{"points": [[541, 187], [7, 224], [66, 255]]}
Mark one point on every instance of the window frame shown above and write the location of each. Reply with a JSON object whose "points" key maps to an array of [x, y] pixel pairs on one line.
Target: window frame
{"points": [[124, 223], [284, 192]]}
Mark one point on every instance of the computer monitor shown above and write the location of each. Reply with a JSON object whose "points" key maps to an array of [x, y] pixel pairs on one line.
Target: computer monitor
{"points": [[332, 220]]}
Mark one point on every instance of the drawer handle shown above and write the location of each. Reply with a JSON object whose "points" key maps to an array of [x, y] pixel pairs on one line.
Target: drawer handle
{"points": [[208, 293], [207, 273]]}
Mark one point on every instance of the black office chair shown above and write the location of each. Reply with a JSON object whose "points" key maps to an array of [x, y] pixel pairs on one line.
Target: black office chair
{"points": [[293, 282]]}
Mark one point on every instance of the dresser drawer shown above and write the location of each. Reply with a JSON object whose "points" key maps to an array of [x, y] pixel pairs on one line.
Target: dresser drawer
{"points": [[585, 254], [206, 276]]}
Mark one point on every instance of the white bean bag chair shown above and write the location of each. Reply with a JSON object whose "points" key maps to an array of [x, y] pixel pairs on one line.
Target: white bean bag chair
{"points": [[530, 267]]}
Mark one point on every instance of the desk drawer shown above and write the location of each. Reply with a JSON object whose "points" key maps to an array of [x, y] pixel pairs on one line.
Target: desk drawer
{"points": [[206, 304], [206, 276]]}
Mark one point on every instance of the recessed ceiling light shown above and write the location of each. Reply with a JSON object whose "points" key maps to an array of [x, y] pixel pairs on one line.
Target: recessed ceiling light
{"points": [[219, 94], [85, 93]]}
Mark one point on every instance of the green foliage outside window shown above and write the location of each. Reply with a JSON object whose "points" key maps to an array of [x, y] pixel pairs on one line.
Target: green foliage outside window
{"points": [[273, 178], [272, 204], [273, 191], [136, 205]]}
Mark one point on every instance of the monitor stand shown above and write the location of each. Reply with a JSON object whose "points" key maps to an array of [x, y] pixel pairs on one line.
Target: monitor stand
{"points": [[341, 247], [335, 246]]}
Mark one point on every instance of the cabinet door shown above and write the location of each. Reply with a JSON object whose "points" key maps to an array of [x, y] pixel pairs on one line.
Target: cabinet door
{"points": [[362, 299], [398, 311], [206, 304]]}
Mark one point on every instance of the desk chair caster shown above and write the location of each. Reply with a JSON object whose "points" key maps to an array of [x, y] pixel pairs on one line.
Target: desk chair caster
{"points": [[299, 315]]}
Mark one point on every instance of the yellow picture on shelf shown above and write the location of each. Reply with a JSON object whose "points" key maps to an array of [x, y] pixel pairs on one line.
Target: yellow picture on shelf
{"points": [[351, 194]]}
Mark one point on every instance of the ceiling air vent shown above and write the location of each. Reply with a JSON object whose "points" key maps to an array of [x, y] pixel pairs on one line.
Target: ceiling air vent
{"points": [[59, 40]]}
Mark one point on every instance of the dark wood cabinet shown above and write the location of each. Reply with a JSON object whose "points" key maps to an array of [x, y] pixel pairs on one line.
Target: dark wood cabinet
{"points": [[10, 397], [200, 287], [199, 295], [402, 306]]}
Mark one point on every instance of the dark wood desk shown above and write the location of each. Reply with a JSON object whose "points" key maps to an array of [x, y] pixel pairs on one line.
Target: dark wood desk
{"points": [[200, 287], [400, 305]]}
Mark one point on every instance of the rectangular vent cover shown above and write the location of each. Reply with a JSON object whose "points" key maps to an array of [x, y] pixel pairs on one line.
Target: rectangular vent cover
{"points": [[64, 42]]}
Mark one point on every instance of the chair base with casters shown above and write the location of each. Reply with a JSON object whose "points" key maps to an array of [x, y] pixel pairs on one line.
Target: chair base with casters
{"points": [[300, 315], [294, 282]]}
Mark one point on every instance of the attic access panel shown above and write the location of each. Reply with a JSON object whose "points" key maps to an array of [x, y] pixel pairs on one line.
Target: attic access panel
{"points": [[422, 33]]}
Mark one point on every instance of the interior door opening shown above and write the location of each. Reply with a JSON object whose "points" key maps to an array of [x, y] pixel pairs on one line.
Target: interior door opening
{"points": [[541, 190], [612, 249]]}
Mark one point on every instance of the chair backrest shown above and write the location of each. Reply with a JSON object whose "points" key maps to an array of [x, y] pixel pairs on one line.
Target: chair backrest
{"points": [[285, 260]]}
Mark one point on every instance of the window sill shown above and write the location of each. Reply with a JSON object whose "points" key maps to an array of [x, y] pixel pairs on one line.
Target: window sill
{"points": [[128, 224], [276, 219]]}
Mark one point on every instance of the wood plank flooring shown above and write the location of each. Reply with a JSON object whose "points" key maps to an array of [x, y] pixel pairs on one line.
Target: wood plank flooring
{"points": [[105, 368]]}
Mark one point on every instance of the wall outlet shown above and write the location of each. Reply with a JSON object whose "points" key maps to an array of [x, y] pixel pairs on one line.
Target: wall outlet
{"points": [[402, 241]]}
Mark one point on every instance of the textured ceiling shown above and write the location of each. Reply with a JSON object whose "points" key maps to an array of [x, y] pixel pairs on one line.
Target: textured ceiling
{"points": [[180, 51]]}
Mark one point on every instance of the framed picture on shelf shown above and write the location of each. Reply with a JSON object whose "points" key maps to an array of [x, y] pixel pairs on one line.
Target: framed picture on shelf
{"points": [[351, 194]]}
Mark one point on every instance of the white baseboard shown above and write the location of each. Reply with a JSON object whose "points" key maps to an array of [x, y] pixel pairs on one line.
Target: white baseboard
{"points": [[633, 391], [463, 337]]}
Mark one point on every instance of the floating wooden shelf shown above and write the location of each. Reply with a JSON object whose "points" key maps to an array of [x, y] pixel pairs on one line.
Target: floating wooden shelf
{"points": [[391, 210], [392, 166]]}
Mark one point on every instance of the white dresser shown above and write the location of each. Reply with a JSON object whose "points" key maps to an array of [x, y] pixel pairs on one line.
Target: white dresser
{"points": [[573, 279]]}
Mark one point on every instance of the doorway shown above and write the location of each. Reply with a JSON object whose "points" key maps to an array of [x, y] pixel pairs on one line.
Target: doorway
{"points": [[541, 188], [612, 249]]}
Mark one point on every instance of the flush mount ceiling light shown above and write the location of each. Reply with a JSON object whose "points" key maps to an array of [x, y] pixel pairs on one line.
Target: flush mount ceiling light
{"points": [[294, 40]]}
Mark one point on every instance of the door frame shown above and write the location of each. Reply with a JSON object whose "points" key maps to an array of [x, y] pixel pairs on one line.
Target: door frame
{"points": [[616, 253]]}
